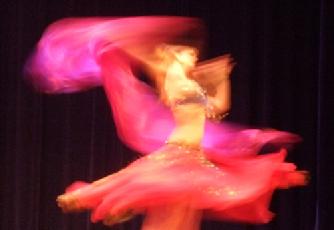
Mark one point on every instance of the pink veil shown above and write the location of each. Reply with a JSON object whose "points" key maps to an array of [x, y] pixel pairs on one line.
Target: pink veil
{"points": [[79, 53]]}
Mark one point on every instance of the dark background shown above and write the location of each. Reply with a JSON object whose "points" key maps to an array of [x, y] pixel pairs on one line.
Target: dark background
{"points": [[283, 80]]}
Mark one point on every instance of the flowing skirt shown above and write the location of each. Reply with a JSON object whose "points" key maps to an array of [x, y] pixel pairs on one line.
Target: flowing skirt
{"points": [[239, 189]]}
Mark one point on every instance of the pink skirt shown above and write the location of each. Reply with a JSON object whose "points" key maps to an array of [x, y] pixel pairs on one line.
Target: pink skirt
{"points": [[239, 189]]}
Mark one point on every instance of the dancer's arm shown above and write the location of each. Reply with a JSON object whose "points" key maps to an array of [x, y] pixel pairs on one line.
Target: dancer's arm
{"points": [[214, 75], [220, 103]]}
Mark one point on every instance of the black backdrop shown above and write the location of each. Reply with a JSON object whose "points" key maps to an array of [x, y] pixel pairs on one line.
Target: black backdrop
{"points": [[282, 80]]}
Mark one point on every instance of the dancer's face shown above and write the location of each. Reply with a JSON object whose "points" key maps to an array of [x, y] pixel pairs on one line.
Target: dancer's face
{"points": [[187, 56]]}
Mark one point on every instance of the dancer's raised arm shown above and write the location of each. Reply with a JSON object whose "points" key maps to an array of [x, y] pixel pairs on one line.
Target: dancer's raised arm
{"points": [[214, 76]]}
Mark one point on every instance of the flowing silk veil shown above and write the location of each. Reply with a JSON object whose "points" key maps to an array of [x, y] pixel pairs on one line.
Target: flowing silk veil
{"points": [[68, 59]]}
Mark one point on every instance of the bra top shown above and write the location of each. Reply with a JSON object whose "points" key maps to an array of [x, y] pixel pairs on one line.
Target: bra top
{"points": [[185, 91], [180, 89]]}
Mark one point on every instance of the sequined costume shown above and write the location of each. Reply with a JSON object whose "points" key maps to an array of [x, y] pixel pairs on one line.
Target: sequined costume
{"points": [[224, 178]]}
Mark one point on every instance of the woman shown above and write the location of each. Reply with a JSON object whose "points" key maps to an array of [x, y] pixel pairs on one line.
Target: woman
{"points": [[190, 176]]}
